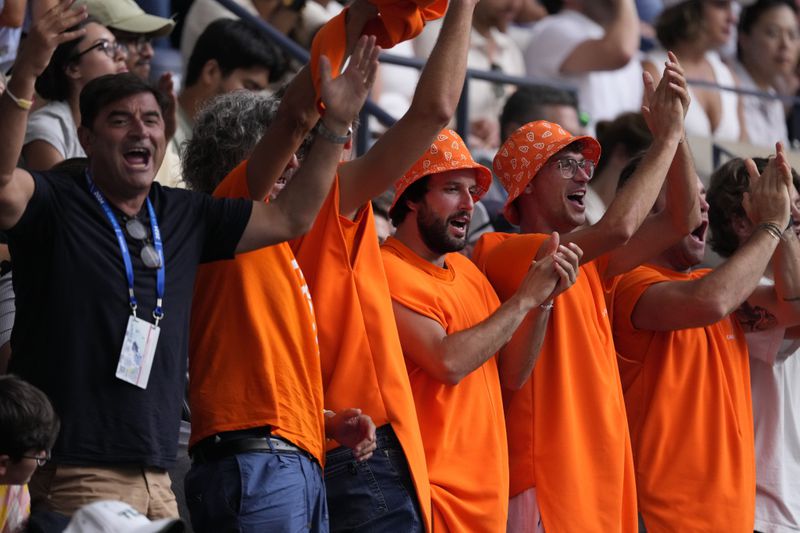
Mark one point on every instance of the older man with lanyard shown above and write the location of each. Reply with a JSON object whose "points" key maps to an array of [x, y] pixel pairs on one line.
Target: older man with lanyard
{"points": [[95, 250]]}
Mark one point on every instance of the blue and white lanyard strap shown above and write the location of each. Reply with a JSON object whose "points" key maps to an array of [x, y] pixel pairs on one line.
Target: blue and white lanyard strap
{"points": [[158, 312]]}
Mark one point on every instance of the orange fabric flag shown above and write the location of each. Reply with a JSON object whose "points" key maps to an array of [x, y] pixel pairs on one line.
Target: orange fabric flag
{"points": [[397, 21]]}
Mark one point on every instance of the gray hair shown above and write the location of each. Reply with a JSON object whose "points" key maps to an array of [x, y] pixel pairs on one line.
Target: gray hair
{"points": [[225, 133]]}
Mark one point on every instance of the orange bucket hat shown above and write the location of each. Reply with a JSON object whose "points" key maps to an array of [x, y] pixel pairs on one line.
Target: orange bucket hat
{"points": [[527, 150], [448, 152]]}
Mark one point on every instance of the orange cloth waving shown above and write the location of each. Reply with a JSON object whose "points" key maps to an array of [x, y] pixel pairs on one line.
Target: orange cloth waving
{"points": [[253, 354], [689, 408], [567, 431], [397, 21], [462, 425], [362, 361]]}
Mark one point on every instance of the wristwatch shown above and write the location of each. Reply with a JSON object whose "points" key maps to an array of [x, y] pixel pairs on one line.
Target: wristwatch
{"points": [[330, 136]]}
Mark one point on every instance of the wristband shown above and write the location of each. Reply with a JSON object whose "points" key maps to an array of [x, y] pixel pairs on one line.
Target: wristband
{"points": [[21, 103], [770, 228], [324, 132]]}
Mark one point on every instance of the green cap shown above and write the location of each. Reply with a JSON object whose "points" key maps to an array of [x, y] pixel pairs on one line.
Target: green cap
{"points": [[126, 15]]}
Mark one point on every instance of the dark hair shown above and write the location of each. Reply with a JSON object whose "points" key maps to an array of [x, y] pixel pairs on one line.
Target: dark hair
{"points": [[234, 43], [628, 130], [750, 15], [680, 23], [414, 193], [53, 83], [726, 189], [526, 104], [382, 203], [552, 6], [27, 420], [109, 88], [630, 167], [724, 196]]}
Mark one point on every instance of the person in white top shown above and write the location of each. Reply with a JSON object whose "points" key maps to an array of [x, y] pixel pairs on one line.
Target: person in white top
{"points": [[769, 45], [774, 355], [694, 30], [591, 44], [489, 49]]}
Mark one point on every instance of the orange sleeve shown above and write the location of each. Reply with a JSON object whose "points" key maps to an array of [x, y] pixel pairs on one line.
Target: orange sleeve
{"points": [[629, 289], [484, 246], [412, 290], [506, 274]]}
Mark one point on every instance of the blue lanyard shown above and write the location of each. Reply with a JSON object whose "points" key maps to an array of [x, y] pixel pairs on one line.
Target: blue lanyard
{"points": [[158, 312]]}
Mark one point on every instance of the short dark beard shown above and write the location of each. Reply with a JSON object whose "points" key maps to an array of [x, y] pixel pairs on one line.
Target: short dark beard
{"points": [[434, 232]]}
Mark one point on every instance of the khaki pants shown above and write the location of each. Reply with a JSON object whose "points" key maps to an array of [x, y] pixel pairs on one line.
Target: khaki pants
{"points": [[65, 488]]}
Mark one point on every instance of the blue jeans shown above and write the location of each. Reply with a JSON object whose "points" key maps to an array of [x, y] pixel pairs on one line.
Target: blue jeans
{"points": [[257, 491], [375, 495]]}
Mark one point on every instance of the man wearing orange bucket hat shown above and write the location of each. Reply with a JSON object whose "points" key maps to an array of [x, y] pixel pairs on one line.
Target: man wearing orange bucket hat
{"points": [[569, 449], [451, 325]]}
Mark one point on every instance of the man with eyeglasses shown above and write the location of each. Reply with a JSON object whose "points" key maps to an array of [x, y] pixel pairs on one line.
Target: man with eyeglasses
{"points": [[133, 28], [101, 328], [569, 448]]}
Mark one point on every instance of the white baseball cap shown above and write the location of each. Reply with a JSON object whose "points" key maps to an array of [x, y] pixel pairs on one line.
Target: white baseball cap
{"points": [[110, 516]]}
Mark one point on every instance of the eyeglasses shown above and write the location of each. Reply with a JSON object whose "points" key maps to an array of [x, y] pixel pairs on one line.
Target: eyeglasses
{"points": [[40, 460], [569, 167], [139, 43], [111, 49], [148, 254]]}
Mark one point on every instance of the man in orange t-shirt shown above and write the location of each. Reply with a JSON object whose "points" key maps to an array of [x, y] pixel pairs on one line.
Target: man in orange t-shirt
{"points": [[255, 387], [451, 326], [569, 448], [685, 369]]}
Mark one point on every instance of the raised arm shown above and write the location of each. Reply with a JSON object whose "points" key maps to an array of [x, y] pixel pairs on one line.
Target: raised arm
{"points": [[614, 49], [697, 303], [681, 215], [293, 212], [451, 357], [633, 202], [16, 185], [432, 107], [295, 117], [518, 357], [12, 15]]}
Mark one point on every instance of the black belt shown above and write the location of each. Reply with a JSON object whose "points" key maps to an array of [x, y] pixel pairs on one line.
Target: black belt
{"points": [[232, 443]]}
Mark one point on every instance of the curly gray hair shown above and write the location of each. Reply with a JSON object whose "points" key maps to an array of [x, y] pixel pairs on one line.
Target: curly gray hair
{"points": [[225, 133]]}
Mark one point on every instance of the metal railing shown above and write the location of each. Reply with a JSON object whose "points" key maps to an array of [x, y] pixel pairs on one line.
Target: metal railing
{"points": [[371, 109]]}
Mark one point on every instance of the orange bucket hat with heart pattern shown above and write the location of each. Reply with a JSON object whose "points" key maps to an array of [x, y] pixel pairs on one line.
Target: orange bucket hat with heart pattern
{"points": [[527, 150], [448, 152]]}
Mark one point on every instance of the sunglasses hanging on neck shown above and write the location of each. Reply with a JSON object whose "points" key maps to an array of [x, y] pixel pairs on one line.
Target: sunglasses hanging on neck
{"points": [[138, 231]]}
